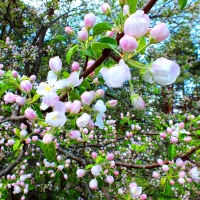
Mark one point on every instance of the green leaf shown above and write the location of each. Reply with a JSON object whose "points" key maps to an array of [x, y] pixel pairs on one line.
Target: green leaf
{"points": [[99, 159], [16, 145], [41, 123], [61, 38], [100, 28], [172, 151], [141, 44], [88, 52], [108, 40], [17, 132], [89, 166], [132, 5], [49, 151], [162, 182], [65, 75], [39, 144], [97, 47], [182, 3], [38, 111], [70, 52], [35, 98], [85, 84], [74, 96], [97, 70]]}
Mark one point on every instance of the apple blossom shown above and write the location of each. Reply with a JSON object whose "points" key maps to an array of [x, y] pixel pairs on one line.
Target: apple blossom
{"points": [[1, 72], [143, 197], [11, 142], [83, 35], [137, 102], [94, 155], [159, 32], [111, 103], [26, 86], [30, 114], [75, 134], [155, 174], [163, 71], [89, 20], [181, 180], [69, 30], [110, 156], [47, 139], [126, 10], [55, 64], [87, 97], [95, 170], [165, 168], [116, 75], [80, 173], [10, 97], [136, 191], [106, 8], [93, 184], [33, 78], [109, 179], [128, 43], [20, 101], [75, 66], [75, 107], [179, 162], [14, 73], [83, 120], [137, 24], [99, 93], [160, 162], [195, 174], [110, 33]]}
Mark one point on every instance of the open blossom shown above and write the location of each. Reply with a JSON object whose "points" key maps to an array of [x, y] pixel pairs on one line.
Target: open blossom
{"points": [[10, 97], [163, 71], [159, 32], [49, 99], [195, 174], [55, 64], [117, 75], [109, 179], [80, 173], [136, 191], [137, 24], [83, 120], [95, 170], [100, 108], [57, 117]]}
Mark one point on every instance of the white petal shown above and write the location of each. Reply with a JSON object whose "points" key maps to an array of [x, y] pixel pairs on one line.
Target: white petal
{"points": [[51, 78]]}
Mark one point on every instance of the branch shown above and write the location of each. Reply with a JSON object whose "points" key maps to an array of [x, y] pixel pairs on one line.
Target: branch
{"points": [[106, 193], [14, 164], [72, 156], [14, 118], [154, 165]]}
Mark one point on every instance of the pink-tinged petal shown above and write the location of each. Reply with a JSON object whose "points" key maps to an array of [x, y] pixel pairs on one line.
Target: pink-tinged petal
{"points": [[51, 78], [61, 84], [43, 106], [99, 121], [60, 108]]}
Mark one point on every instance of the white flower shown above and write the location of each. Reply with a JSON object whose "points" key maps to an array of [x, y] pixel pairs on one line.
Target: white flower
{"points": [[83, 120], [195, 174], [95, 170], [136, 191]]}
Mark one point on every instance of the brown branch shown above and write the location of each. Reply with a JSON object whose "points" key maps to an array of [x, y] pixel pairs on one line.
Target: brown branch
{"points": [[192, 161], [13, 118], [14, 164], [149, 5], [154, 165], [72, 156], [106, 193]]}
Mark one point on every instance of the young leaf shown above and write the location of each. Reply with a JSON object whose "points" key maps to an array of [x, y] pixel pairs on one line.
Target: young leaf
{"points": [[71, 52], [100, 28], [182, 3], [49, 151], [16, 145], [172, 151], [141, 44], [132, 5]]}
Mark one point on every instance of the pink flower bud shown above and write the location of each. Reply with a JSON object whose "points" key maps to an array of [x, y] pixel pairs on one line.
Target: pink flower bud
{"points": [[67, 106], [11, 142], [112, 103], [165, 168], [80, 173], [20, 101], [173, 139], [128, 43], [75, 66], [69, 30], [10, 97], [55, 64], [1, 72], [99, 93], [65, 176], [93, 184], [137, 102], [181, 181], [47, 139], [116, 173], [33, 78], [60, 167], [160, 162], [89, 20], [189, 180], [75, 134], [179, 162], [181, 174], [87, 97], [26, 86], [35, 138], [110, 33], [110, 156], [138, 19], [1, 66], [90, 125], [171, 182], [126, 10], [169, 130], [143, 197], [75, 107], [83, 35], [163, 135], [14, 73], [30, 114], [28, 140], [109, 179], [159, 32], [106, 8], [94, 155], [155, 174], [187, 139]]}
